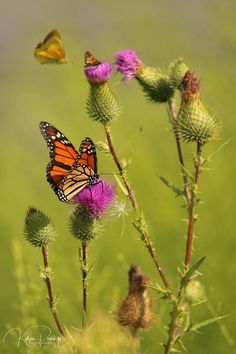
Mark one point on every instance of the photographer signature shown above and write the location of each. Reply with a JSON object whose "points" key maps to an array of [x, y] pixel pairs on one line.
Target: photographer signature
{"points": [[30, 339]]}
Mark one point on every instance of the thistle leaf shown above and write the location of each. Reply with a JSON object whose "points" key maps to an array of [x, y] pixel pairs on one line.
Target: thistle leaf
{"points": [[190, 272], [120, 185], [176, 190], [195, 327]]}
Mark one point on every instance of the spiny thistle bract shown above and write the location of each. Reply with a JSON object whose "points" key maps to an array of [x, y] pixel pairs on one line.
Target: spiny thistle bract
{"points": [[156, 84], [38, 228], [178, 70], [194, 123], [82, 226], [136, 310], [102, 105]]}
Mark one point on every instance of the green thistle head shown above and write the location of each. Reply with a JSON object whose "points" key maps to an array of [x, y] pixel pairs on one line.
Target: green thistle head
{"points": [[156, 84], [102, 105], [194, 122], [38, 228], [82, 226]]}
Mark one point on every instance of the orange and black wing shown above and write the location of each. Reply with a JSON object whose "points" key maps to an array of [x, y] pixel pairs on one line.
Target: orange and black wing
{"points": [[87, 154], [62, 155], [82, 174], [78, 178]]}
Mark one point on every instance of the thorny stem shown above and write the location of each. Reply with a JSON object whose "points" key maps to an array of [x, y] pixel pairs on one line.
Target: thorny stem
{"points": [[119, 166], [84, 281], [173, 334], [50, 292], [173, 117], [192, 218], [144, 234]]}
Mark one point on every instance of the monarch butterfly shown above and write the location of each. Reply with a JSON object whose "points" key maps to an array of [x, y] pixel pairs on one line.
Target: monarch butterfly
{"points": [[51, 50], [69, 171]]}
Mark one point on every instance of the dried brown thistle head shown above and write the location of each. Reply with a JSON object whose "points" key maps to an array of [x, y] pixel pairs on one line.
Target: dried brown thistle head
{"points": [[135, 310]]}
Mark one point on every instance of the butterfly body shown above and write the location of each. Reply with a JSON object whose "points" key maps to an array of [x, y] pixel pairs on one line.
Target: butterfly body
{"points": [[51, 50], [69, 171]]}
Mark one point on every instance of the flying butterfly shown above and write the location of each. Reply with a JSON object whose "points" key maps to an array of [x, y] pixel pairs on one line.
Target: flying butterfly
{"points": [[51, 50], [69, 171]]}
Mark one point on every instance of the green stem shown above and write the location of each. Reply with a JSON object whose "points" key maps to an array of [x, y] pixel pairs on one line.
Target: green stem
{"points": [[173, 117], [192, 218], [119, 166], [84, 281], [50, 292], [144, 233], [175, 328]]}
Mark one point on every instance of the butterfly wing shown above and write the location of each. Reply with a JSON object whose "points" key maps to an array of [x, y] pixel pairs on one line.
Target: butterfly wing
{"points": [[87, 154], [79, 177], [62, 155], [51, 50], [82, 174]]}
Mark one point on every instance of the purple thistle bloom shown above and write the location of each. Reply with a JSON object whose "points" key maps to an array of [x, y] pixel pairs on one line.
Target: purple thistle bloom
{"points": [[96, 199], [99, 73], [128, 63]]}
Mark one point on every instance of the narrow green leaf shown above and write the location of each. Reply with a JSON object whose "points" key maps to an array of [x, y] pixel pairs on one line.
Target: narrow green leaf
{"points": [[195, 327], [191, 271], [176, 190], [120, 185]]}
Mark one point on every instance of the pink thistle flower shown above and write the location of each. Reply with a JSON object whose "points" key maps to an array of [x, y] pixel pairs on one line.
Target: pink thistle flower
{"points": [[96, 199], [128, 63]]}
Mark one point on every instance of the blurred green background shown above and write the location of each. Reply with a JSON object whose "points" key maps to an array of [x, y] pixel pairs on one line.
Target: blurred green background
{"points": [[204, 33]]}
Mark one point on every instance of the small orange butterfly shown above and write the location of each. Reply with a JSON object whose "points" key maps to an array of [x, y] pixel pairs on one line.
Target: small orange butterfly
{"points": [[51, 50], [90, 59]]}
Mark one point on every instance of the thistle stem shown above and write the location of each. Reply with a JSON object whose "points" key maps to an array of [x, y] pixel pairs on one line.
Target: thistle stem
{"points": [[135, 341], [50, 292], [119, 166], [173, 117], [144, 234], [84, 281], [173, 334], [192, 218]]}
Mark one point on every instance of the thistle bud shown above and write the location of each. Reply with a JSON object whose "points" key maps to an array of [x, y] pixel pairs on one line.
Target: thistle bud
{"points": [[102, 105], [136, 310], [194, 122], [195, 292], [156, 84], [178, 70], [83, 226], [38, 228]]}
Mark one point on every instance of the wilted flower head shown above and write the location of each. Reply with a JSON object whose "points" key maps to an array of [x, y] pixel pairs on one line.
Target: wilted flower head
{"points": [[96, 199], [135, 310], [96, 71], [128, 63]]}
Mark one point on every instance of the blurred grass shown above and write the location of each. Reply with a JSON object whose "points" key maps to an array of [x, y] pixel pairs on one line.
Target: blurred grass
{"points": [[204, 34]]}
